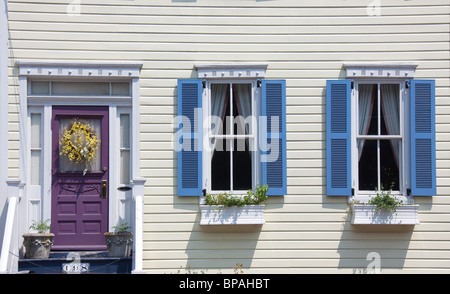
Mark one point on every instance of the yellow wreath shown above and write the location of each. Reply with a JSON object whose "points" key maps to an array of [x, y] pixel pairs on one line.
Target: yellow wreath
{"points": [[79, 142]]}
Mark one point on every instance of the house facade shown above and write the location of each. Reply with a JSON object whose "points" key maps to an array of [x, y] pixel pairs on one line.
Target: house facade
{"points": [[326, 103]]}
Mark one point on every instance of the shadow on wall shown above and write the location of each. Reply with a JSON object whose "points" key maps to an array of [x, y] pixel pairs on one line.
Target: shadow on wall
{"points": [[220, 249], [379, 248], [212, 248], [373, 248]]}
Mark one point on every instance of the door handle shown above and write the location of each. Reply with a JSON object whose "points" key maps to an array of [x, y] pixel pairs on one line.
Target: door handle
{"points": [[104, 194]]}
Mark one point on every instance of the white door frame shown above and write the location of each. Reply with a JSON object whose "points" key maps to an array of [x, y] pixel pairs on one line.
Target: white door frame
{"points": [[37, 205]]}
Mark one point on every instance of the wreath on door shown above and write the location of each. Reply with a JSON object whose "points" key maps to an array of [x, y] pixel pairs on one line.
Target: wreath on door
{"points": [[79, 143]]}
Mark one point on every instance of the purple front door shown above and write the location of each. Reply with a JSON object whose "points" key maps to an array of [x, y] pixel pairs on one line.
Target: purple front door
{"points": [[79, 189]]}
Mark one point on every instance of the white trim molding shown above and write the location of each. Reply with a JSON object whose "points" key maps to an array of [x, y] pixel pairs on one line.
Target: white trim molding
{"points": [[380, 70], [78, 69], [231, 70]]}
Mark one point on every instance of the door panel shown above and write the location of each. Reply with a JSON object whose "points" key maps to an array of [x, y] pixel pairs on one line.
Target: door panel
{"points": [[79, 204]]}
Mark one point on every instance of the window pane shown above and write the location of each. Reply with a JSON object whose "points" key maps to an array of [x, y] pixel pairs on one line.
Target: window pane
{"points": [[367, 166], [35, 170], [35, 130], [125, 167], [242, 165], [80, 88], [389, 160], [390, 109], [125, 130], [40, 88], [367, 109], [120, 89], [220, 166]]}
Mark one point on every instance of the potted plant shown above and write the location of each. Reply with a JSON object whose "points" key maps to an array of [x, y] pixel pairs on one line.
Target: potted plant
{"points": [[37, 245], [384, 209], [228, 209], [119, 243]]}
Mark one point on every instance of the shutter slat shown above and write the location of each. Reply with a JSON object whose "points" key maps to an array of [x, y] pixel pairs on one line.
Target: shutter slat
{"points": [[338, 138]]}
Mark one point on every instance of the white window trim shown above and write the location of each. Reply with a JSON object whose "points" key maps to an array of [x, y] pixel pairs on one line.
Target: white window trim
{"points": [[121, 207], [83, 71], [231, 70], [38, 205], [256, 172], [382, 73]]}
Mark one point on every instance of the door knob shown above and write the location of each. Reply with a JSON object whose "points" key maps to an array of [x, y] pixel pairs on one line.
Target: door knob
{"points": [[104, 194]]}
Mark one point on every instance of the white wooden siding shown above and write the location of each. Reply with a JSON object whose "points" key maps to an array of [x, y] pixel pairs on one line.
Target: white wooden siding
{"points": [[304, 42]]}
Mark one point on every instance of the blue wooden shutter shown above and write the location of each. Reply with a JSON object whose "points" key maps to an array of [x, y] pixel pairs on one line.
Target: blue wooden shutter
{"points": [[273, 161], [423, 142], [338, 116], [189, 138]]}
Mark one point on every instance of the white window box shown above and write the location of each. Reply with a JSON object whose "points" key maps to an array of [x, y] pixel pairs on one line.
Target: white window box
{"points": [[365, 214], [220, 215]]}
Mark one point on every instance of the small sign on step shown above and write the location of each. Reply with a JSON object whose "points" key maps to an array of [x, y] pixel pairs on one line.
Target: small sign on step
{"points": [[72, 268]]}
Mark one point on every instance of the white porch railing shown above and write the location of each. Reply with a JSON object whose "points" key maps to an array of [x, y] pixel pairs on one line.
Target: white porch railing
{"points": [[138, 197], [9, 252]]}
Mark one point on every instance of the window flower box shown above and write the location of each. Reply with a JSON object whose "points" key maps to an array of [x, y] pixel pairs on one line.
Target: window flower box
{"points": [[234, 215], [367, 214]]}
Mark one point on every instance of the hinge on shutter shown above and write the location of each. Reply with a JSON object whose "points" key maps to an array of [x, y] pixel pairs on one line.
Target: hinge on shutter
{"points": [[353, 191], [407, 83], [204, 84], [408, 192], [258, 83], [204, 192], [352, 85]]}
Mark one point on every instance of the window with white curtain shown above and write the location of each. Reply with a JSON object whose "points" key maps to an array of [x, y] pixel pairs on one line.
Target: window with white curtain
{"points": [[231, 136], [379, 136]]}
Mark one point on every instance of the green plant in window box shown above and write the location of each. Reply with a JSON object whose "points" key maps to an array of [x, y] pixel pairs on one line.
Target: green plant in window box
{"points": [[385, 200], [229, 200]]}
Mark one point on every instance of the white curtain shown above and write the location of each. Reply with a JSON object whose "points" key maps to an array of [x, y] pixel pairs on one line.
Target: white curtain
{"points": [[391, 113], [219, 101], [365, 107], [243, 98]]}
